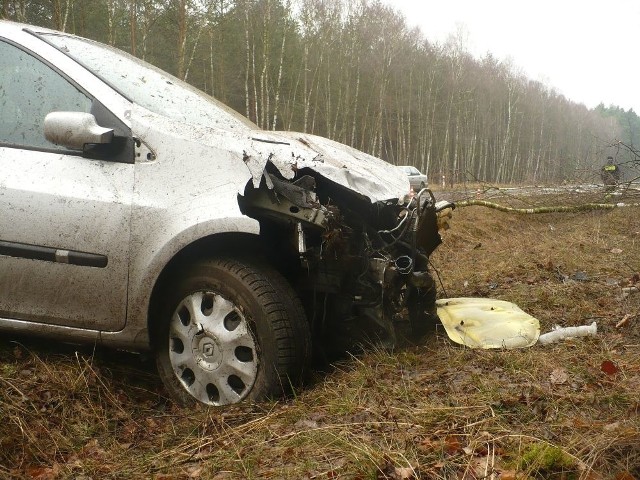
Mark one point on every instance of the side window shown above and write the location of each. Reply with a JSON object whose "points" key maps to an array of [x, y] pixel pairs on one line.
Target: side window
{"points": [[29, 90]]}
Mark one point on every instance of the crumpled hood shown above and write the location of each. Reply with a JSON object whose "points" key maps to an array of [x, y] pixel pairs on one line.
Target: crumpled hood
{"points": [[290, 151]]}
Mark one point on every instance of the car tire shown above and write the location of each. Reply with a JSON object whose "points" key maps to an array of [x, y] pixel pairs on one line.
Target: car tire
{"points": [[231, 330]]}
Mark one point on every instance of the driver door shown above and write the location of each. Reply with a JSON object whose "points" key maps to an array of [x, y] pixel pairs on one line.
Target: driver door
{"points": [[64, 218]]}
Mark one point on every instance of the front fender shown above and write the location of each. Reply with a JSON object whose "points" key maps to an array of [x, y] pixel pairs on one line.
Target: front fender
{"points": [[146, 267]]}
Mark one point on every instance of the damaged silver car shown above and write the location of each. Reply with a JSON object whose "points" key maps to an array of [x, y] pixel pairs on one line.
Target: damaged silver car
{"points": [[141, 214]]}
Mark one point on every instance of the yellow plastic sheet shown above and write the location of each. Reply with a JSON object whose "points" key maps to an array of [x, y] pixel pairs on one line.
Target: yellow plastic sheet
{"points": [[487, 323]]}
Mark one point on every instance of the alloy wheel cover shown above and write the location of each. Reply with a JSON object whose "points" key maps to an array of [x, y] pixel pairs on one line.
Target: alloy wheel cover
{"points": [[211, 349]]}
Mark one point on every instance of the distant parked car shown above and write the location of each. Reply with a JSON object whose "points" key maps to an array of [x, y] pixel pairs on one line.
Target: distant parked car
{"points": [[417, 180]]}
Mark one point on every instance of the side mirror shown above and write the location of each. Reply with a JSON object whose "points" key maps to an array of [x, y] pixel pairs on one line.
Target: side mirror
{"points": [[75, 129]]}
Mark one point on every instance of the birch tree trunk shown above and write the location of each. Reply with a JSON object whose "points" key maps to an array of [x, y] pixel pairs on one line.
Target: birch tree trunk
{"points": [[280, 67], [133, 25], [181, 6], [111, 16]]}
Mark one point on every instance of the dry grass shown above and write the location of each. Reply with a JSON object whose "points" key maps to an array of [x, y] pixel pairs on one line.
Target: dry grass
{"points": [[436, 411]]}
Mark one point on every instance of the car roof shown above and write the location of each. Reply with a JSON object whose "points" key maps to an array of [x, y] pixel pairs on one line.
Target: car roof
{"points": [[9, 25]]}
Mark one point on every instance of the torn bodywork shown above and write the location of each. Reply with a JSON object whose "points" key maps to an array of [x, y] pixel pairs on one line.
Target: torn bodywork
{"points": [[360, 266]]}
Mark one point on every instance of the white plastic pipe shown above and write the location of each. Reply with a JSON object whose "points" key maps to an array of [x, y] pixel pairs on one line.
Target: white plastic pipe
{"points": [[559, 333]]}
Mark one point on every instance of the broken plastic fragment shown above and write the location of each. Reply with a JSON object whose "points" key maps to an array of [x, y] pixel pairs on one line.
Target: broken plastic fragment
{"points": [[580, 276], [559, 333], [487, 323]]}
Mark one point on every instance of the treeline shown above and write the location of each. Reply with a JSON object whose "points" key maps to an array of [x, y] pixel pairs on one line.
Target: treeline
{"points": [[352, 70]]}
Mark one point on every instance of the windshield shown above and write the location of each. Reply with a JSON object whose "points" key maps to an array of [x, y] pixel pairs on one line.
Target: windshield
{"points": [[148, 86], [410, 170]]}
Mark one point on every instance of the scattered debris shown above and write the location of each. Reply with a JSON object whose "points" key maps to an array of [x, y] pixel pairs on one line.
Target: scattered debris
{"points": [[561, 276], [577, 276], [580, 277], [626, 291], [625, 321], [560, 333], [487, 323]]}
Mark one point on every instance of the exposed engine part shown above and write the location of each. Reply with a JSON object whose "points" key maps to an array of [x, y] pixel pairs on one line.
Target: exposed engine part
{"points": [[302, 243], [404, 264], [286, 201], [378, 269], [359, 267]]}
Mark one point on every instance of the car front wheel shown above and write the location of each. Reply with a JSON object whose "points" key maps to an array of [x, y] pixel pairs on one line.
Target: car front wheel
{"points": [[231, 330]]}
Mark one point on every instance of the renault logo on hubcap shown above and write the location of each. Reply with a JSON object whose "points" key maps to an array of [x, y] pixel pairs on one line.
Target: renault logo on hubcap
{"points": [[208, 349]]}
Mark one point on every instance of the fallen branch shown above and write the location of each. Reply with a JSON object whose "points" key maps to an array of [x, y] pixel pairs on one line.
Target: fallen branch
{"points": [[559, 208], [624, 321]]}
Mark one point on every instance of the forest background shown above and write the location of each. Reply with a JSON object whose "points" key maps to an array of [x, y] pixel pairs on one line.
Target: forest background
{"points": [[353, 71]]}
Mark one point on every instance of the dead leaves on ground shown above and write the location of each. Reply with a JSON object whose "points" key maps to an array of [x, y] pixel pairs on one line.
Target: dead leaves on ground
{"points": [[559, 376], [457, 457], [609, 367]]}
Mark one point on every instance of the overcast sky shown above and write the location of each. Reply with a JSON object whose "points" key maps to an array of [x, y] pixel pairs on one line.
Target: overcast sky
{"points": [[588, 50]]}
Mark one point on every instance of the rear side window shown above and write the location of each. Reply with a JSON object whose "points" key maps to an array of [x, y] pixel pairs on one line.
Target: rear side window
{"points": [[29, 90]]}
